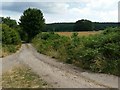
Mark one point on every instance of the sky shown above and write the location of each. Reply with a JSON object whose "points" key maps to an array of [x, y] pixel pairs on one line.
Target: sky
{"points": [[63, 10]]}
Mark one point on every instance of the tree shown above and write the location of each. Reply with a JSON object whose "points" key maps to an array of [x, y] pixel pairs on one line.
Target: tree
{"points": [[32, 22], [83, 25], [8, 21]]}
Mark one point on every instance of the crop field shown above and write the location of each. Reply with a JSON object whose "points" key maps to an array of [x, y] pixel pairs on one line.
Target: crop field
{"points": [[84, 33]]}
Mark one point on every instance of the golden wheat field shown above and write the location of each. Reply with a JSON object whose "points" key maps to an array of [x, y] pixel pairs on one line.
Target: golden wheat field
{"points": [[84, 33]]}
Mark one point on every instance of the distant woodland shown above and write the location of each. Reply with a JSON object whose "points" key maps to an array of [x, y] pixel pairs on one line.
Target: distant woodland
{"points": [[58, 27]]}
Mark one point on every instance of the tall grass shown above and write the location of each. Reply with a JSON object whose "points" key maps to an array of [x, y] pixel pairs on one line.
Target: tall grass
{"points": [[9, 49]]}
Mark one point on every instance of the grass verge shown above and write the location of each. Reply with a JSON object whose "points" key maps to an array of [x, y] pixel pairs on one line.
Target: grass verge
{"points": [[8, 49], [22, 77]]}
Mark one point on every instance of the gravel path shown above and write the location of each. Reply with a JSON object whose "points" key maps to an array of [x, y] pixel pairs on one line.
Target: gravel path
{"points": [[58, 74]]}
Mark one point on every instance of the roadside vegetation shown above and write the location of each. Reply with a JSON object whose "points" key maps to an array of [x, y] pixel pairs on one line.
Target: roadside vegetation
{"points": [[98, 53], [11, 41], [22, 77]]}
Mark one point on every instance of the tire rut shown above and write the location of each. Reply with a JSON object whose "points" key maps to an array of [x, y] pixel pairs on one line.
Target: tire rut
{"points": [[58, 74]]}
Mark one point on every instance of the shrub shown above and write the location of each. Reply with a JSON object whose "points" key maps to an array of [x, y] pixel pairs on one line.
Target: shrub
{"points": [[49, 41], [9, 35], [10, 40], [99, 53]]}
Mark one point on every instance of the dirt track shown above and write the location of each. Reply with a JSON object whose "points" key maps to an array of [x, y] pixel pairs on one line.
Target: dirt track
{"points": [[58, 74]]}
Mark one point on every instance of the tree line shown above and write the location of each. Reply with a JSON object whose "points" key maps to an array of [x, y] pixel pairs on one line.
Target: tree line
{"points": [[32, 22], [99, 53], [70, 27]]}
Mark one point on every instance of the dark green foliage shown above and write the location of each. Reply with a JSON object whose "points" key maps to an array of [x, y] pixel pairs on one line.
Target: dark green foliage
{"points": [[11, 41], [23, 34], [9, 48], [32, 22], [83, 25], [69, 27], [104, 25], [9, 35], [106, 47], [99, 53], [10, 22], [0, 34], [51, 44], [59, 27]]}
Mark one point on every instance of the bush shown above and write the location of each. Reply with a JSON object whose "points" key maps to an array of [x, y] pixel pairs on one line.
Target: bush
{"points": [[10, 40], [47, 43], [9, 35], [99, 53]]}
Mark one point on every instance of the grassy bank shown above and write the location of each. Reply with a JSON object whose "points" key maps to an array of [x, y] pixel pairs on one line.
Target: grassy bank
{"points": [[22, 77], [98, 53], [9, 49]]}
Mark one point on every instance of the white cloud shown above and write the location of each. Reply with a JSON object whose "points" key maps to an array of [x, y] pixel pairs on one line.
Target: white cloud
{"points": [[14, 15], [102, 4], [109, 16], [45, 0], [56, 8], [95, 10]]}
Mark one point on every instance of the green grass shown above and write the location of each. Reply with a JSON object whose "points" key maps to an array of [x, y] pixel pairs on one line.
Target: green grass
{"points": [[22, 77], [0, 49], [9, 49]]}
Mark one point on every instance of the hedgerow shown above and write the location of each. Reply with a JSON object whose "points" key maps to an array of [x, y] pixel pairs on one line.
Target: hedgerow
{"points": [[9, 35], [98, 53], [10, 40]]}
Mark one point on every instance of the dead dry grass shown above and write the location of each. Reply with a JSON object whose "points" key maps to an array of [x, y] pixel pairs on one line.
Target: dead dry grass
{"points": [[22, 77], [84, 33]]}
